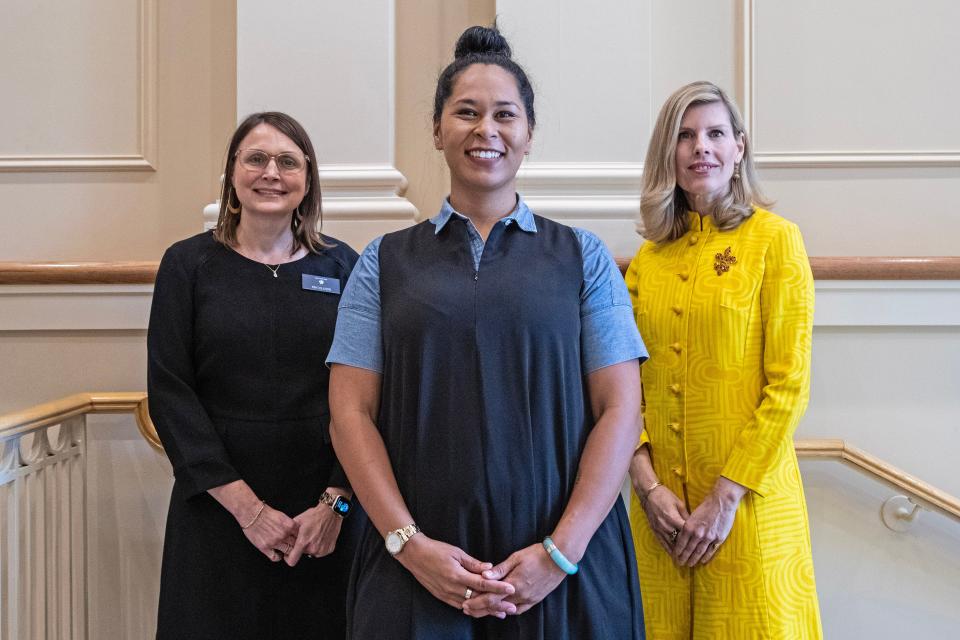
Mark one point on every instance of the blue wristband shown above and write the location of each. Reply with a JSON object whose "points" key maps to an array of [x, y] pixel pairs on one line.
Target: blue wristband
{"points": [[561, 560]]}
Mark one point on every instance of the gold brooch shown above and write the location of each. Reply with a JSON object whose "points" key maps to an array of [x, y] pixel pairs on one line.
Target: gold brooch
{"points": [[722, 261]]}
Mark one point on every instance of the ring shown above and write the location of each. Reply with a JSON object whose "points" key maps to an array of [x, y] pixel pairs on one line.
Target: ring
{"points": [[468, 593], [715, 544], [674, 534]]}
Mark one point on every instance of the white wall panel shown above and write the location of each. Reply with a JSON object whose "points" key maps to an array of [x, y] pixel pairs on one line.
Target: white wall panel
{"points": [[585, 61], [90, 111], [856, 76]]}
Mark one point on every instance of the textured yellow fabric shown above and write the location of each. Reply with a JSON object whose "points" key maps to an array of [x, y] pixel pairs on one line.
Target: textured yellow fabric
{"points": [[727, 317]]}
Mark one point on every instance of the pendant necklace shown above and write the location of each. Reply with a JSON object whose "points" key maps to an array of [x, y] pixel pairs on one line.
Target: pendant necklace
{"points": [[273, 269]]}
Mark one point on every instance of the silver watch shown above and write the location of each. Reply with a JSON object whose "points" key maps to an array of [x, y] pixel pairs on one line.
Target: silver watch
{"points": [[397, 538]]}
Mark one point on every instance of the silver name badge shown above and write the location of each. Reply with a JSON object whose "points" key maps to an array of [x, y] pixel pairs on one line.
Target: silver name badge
{"points": [[320, 283]]}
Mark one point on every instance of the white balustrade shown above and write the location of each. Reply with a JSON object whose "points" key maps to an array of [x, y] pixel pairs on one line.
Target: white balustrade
{"points": [[43, 532]]}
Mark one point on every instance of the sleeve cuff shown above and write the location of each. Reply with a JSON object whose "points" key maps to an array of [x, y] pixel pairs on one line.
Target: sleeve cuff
{"points": [[357, 341], [608, 337], [744, 471], [204, 475]]}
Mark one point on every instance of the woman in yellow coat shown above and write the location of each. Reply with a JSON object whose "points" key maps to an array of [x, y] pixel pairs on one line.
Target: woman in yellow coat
{"points": [[723, 295]]}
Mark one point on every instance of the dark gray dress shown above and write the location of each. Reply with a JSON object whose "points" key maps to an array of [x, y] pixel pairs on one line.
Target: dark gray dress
{"points": [[485, 413]]}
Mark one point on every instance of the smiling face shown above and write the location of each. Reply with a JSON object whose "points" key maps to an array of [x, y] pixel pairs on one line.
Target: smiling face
{"points": [[483, 132], [268, 190], [708, 151]]}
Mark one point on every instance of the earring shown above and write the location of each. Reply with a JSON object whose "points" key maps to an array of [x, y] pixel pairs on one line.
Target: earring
{"points": [[736, 172], [230, 208]]}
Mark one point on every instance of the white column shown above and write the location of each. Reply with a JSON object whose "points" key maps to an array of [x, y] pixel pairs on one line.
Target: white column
{"points": [[590, 70], [331, 66]]}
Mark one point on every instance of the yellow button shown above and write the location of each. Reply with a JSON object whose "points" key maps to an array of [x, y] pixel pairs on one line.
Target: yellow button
{"points": [[675, 388], [676, 347], [684, 275], [678, 471], [694, 239], [677, 309], [674, 426]]}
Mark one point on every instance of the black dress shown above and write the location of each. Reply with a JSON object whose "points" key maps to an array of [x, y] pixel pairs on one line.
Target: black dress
{"points": [[238, 390], [484, 414]]}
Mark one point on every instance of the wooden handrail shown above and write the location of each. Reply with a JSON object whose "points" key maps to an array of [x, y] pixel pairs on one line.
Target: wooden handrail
{"points": [[932, 497], [78, 272], [56, 411], [122, 402], [824, 268], [863, 268]]}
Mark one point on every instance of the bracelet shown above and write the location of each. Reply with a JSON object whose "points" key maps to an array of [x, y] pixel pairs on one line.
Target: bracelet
{"points": [[255, 517], [561, 560], [646, 494]]}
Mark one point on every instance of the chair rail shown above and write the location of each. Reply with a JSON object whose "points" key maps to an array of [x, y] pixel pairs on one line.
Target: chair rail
{"points": [[824, 268]]}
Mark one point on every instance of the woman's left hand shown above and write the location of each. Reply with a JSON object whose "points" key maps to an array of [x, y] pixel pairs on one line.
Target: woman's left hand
{"points": [[319, 529], [531, 572], [709, 524]]}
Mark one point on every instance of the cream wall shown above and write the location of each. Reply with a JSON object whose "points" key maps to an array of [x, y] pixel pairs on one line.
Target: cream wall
{"points": [[850, 114], [117, 131], [111, 140]]}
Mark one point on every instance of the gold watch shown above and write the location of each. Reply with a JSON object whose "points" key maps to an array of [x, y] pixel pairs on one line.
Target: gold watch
{"points": [[398, 537]]}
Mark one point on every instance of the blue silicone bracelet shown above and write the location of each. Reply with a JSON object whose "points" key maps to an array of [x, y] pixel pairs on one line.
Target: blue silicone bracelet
{"points": [[561, 560]]}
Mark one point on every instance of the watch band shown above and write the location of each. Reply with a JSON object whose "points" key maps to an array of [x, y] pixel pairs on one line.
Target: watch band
{"points": [[340, 504], [396, 539]]}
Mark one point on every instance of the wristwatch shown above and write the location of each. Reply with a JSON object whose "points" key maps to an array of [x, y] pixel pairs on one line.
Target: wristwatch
{"points": [[339, 504], [397, 538]]}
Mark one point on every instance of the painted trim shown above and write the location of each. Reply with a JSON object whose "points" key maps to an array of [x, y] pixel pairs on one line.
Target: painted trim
{"points": [[147, 135], [814, 159]]}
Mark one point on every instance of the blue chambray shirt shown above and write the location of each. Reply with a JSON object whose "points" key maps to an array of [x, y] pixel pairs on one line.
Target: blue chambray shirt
{"points": [[608, 333]]}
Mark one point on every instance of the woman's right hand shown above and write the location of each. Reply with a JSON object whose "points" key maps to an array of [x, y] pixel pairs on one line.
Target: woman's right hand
{"points": [[666, 514], [447, 572], [274, 533]]}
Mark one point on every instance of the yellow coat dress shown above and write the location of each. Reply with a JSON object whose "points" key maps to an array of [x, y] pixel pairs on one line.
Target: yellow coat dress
{"points": [[727, 317]]}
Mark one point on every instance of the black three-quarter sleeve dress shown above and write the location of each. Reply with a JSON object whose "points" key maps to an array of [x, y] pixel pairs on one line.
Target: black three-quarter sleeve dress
{"points": [[238, 390]]}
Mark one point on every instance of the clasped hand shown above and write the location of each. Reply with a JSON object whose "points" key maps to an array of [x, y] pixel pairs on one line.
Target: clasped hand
{"points": [[280, 537], [509, 588], [691, 538]]}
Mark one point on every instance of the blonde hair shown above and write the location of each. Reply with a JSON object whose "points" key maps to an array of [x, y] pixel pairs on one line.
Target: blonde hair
{"points": [[663, 205]]}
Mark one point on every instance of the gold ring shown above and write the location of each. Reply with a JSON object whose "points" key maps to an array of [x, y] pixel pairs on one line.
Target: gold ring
{"points": [[468, 593]]}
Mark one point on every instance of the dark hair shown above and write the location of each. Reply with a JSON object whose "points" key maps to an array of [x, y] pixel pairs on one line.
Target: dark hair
{"points": [[307, 218], [482, 45]]}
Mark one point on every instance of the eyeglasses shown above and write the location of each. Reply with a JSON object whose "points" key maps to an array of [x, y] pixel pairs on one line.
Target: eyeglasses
{"points": [[256, 160]]}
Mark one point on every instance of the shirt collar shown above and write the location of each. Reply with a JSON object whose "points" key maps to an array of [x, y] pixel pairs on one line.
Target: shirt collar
{"points": [[521, 215]]}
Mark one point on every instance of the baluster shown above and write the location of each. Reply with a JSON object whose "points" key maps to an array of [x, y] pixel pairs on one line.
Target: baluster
{"points": [[77, 500], [9, 553]]}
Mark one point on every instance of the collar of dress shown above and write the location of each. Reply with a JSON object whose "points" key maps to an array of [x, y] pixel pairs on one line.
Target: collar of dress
{"points": [[521, 215]]}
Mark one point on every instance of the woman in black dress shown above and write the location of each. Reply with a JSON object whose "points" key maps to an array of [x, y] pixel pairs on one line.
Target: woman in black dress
{"points": [[242, 319], [484, 398]]}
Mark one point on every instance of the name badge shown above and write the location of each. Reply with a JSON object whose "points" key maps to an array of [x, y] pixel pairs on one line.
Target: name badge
{"points": [[320, 283]]}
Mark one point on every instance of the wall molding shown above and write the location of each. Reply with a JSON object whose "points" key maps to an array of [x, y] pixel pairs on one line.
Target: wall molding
{"points": [[841, 268], [147, 134], [353, 192], [582, 190], [814, 159], [121, 307]]}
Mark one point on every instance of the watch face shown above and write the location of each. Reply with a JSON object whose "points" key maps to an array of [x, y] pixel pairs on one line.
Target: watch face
{"points": [[394, 543], [341, 507]]}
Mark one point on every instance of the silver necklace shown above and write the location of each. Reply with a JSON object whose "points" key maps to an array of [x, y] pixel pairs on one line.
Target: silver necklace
{"points": [[273, 269]]}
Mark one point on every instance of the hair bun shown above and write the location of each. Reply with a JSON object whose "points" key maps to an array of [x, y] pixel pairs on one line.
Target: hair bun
{"points": [[481, 40]]}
